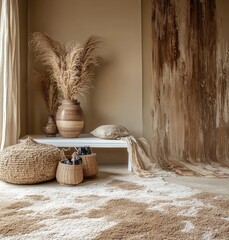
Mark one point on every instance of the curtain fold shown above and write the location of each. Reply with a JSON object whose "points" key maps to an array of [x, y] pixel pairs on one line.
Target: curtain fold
{"points": [[9, 73], [190, 88]]}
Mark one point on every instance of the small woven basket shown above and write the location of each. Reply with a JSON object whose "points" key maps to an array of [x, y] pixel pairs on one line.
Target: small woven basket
{"points": [[90, 167], [69, 174]]}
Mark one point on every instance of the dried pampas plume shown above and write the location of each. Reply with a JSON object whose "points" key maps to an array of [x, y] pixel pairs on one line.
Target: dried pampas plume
{"points": [[72, 67], [50, 93]]}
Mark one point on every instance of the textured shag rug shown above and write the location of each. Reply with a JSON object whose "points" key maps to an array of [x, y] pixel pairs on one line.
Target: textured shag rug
{"points": [[113, 207]]}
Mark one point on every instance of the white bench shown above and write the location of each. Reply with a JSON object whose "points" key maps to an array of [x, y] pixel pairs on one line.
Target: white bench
{"points": [[81, 141]]}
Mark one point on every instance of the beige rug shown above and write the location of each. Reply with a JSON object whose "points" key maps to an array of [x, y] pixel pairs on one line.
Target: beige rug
{"points": [[113, 207]]}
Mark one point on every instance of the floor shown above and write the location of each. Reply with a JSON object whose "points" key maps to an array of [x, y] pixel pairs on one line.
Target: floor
{"points": [[206, 184]]}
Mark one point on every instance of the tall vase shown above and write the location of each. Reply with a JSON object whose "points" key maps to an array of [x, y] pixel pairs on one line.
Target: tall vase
{"points": [[50, 128], [69, 119]]}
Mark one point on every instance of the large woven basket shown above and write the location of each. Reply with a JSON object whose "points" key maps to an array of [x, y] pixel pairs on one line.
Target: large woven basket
{"points": [[90, 167], [69, 174], [29, 162]]}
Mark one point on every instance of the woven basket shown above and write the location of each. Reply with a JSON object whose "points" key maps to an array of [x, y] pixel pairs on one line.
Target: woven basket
{"points": [[69, 174], [29, 162], [90, 167]]}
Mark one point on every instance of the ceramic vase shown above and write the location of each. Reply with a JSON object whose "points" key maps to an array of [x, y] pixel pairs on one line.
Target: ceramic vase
{"points": [[69, 119], [50, 128]]}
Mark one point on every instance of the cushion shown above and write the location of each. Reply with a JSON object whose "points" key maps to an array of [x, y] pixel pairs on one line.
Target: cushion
{"points": [[110, 131], [29, 162]]}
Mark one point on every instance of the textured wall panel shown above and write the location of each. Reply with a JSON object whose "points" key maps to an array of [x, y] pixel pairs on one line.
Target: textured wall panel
{"points": [[190, 85]]}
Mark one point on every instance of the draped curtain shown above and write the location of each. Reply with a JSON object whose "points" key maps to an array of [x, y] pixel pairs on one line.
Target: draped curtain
{"points": [[9, 73], [190, 88]]}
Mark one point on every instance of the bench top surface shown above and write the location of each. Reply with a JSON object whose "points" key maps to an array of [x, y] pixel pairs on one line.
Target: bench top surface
{"points": [[82, 140]]}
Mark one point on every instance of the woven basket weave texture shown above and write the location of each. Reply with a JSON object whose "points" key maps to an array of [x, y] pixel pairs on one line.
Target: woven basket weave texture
{"points": [[90, 167], [29, 162], [69, 174]]}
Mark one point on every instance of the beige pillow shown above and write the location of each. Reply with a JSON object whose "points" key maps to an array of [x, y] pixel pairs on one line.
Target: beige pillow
{"points": [[110, 131]]}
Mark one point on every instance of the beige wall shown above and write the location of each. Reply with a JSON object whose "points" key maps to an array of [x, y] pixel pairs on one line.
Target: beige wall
{"points": [[117, 96]]}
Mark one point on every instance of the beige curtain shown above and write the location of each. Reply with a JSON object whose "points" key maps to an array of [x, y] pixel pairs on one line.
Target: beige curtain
{"points": [[190, 88], [9, 73]]}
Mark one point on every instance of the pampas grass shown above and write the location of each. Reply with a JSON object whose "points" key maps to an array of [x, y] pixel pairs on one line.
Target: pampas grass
{"points": [[72, 67], [50, 93]]}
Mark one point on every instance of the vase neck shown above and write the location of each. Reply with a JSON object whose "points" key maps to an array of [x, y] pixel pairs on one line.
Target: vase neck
{"points": [[69, 102], [50, 118]]}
